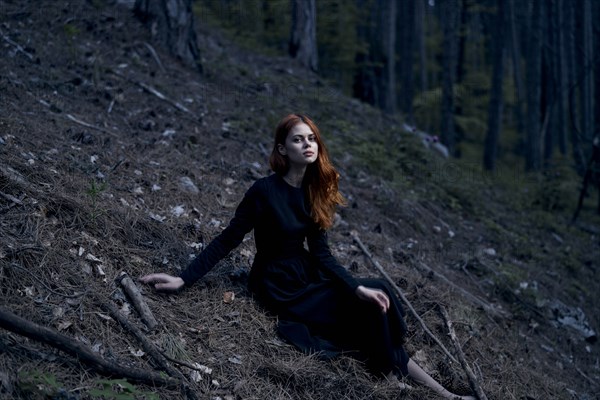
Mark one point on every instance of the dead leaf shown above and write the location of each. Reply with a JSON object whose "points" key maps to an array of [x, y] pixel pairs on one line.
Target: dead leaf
{"points": [[228, 297], [235, 359], [64, 325], [137, 353]]}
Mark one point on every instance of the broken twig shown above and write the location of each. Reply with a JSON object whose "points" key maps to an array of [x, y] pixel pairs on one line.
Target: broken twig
{"points": [[400, 293], [84, 354], [461, 356], [88, 125], [16, 45], [137, 299], [153, 91], [469, 296]]}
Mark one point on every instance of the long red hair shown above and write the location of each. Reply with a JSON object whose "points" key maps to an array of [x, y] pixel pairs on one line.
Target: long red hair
{"points": [[320, 179]]}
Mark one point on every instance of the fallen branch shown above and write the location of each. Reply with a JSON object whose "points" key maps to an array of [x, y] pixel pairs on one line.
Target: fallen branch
{"points": [[400, 293], [16, 45], [148, 347], [469, 296], [11, 198], [137, 299], [153, 91], [84, 354], [154, 55], [88, 125], [461, 356]]}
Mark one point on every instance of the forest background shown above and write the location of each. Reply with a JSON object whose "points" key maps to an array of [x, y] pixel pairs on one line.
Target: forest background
{"points": [[463, 131]]}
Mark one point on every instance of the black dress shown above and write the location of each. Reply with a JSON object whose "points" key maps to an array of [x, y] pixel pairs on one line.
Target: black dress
{"points": [[310, 292]]}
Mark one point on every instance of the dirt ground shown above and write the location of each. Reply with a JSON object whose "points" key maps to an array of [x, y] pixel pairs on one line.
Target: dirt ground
{"points": [[99, 175]]}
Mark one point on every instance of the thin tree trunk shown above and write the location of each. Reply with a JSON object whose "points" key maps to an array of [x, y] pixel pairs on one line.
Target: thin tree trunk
{"points": [[570, 56], [534, 58], [388, 78], [587, 83], [406, 34], [516, 60], [172, 25], [561, 78], [420, 43], [449, 9], [496, 100], [548, 86], [303, 38]]}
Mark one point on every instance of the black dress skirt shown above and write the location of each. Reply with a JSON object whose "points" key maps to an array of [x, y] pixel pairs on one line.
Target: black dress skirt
{"points": [[295, 277]]}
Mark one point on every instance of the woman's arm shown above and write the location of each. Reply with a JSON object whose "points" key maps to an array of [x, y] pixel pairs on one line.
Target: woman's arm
{"points": [[243, 222], [319, 248]]}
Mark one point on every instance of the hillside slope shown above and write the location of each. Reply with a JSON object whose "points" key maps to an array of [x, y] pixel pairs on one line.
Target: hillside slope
{"points": [[99, 174]]}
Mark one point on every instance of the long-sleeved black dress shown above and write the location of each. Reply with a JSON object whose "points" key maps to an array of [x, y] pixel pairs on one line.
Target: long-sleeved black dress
{"points": [[311, 293]]}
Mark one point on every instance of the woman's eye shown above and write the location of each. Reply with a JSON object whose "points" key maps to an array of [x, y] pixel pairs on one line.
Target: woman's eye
{"points": [[312, 139]]}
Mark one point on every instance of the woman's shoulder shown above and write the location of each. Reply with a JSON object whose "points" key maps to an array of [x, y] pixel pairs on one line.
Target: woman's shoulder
{"points": [[263, 185]]}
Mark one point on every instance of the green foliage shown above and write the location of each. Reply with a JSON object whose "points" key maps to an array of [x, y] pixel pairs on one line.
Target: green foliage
{"points": [[38, 384], [119, 389], [94, 192], [71, 30]]}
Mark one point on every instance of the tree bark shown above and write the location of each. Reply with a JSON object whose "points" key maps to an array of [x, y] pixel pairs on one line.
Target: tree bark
{"points": [[48, 336], [407, 38], [587, 71], [388, 78], [496, 100], [449, 9], [303, 37], [420, 43], [172, 25], [570, 45], [516, 62], [561, 78], [534, 60]]}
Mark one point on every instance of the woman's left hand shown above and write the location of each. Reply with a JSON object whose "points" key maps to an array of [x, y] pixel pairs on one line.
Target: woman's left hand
{"points": [[375, 296]]}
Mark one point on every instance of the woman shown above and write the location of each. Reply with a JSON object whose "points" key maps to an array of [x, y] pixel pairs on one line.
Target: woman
{"points": [[321, 307]]}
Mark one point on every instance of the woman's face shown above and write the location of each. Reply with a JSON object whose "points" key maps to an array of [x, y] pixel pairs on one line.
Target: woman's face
{"points": [[300, 145]]}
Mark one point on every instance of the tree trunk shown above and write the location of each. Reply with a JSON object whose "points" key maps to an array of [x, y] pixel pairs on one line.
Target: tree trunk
{"points": [[406, 35], [516, 61], [496, 100], [450, 13], [587, 71], [365, 82], [570, 44], [561, 78], [548, 86], [388, 78], [534, 61], [303, 38], [420, 43], [172, 25]]}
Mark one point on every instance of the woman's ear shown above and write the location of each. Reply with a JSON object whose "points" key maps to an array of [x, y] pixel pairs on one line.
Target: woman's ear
{"points": [[281, 149]]}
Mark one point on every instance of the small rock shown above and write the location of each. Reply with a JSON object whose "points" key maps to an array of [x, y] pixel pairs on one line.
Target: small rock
{"points": [[186, 184], [489, 252], [451, 234], [437, 229]]}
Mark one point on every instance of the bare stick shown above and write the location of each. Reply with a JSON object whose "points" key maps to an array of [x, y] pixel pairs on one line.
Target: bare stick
{"points": [[85, 355], [469, 296], [461, 356], [88, 125], [148, 347], [155, 92], [154, 55], [11, 198], [17, 46], [399, 291], [137, 299]]}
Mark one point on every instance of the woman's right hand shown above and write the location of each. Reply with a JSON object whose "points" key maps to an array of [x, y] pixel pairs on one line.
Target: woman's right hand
{"points": [[163, 281]]}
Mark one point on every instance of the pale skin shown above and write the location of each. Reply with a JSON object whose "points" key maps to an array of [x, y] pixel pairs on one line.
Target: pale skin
{"points": [[302, 149]]}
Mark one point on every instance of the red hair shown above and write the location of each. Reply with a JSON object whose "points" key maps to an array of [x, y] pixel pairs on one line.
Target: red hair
{"points": [[320, 179]]}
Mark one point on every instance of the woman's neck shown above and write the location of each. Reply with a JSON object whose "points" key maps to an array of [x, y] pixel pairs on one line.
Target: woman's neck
{"points": [[295, 176]]}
